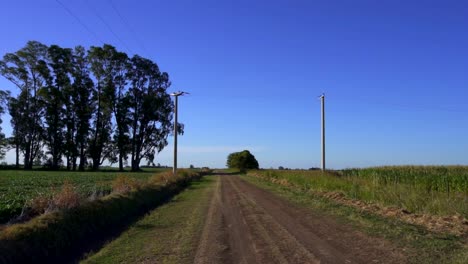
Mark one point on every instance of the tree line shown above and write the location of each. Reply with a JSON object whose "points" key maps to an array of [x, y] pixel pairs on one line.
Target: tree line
{"points": [[78, 108]]}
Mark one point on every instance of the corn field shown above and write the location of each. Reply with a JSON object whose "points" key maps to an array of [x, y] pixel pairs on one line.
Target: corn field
{"points": [[442, 179], [440, 190]]}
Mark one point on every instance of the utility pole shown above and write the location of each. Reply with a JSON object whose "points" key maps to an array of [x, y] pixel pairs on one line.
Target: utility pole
{"points": [[322, 100], [176, 95]]}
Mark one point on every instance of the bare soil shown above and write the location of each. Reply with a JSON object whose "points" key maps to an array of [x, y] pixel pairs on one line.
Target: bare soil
{"points": [[246, 224]]}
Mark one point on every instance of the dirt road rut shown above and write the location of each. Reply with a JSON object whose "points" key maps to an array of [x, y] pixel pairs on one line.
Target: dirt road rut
{"points": [[246, 224]]}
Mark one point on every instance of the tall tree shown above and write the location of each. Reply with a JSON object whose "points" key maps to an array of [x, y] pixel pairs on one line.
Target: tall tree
{"points": [[59, 60], [100, 146], [26, 68], [150, 108], [120, 106], [114, 67], [81, 105]]}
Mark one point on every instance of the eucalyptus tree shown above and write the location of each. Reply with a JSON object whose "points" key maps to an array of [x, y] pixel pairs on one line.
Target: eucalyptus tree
{"points": [[26, 69], [150, 109], [101, 128], [59, 121], [116, 80], [81, 106]]}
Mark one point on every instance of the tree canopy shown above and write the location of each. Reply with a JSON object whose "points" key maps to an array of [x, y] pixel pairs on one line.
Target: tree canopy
{"points": [[242, 160], [86, 106]]}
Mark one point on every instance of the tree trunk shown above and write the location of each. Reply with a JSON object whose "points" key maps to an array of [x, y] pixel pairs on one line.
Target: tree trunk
{"points": [[136, 162], [74, 163], [27, 154], [68, 163], [134, 165], [55, 159], [17, 156], [82, 158], [95, 164], [121, 162]]}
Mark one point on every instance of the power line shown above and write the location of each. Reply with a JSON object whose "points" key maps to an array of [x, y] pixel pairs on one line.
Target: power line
{"points": [[415, 107], [124, 21], [80, 22], [109, 27], [392, 104]]}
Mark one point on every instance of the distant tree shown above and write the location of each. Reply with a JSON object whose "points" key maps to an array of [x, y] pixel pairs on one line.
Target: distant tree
{"points": [[242, 160], [192, 167], [280, 168], [26, 69], [150, 110]]}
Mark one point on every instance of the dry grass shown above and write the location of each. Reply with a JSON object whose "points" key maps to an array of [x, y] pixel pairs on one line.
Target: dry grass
{"points": [[69, 195], [67, 198], [161, 178], [168, 176], [39, 204], [125, 184]]}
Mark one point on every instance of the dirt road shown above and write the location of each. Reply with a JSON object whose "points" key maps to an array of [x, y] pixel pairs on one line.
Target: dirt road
{"points": [[246, 224]]}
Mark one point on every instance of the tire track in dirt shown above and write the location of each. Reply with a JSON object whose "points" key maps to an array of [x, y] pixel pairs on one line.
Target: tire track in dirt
{"points": [[283, 246], [246, 224]]}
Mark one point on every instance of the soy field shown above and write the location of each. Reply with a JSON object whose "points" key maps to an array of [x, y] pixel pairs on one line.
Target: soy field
{"points": [[17, 187]]}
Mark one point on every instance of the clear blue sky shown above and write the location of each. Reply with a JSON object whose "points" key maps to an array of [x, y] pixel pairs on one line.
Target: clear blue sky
{"points": [[395, 73]]}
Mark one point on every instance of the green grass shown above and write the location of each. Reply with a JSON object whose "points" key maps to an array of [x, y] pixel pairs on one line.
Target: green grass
{"points": [[420, 245], [17, 187], [439, 190], [167, 234]]}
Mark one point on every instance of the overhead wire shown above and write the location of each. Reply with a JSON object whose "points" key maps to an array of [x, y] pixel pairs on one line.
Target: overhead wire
{"points": [[125, 22], [80, 21], [108, 27]]}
